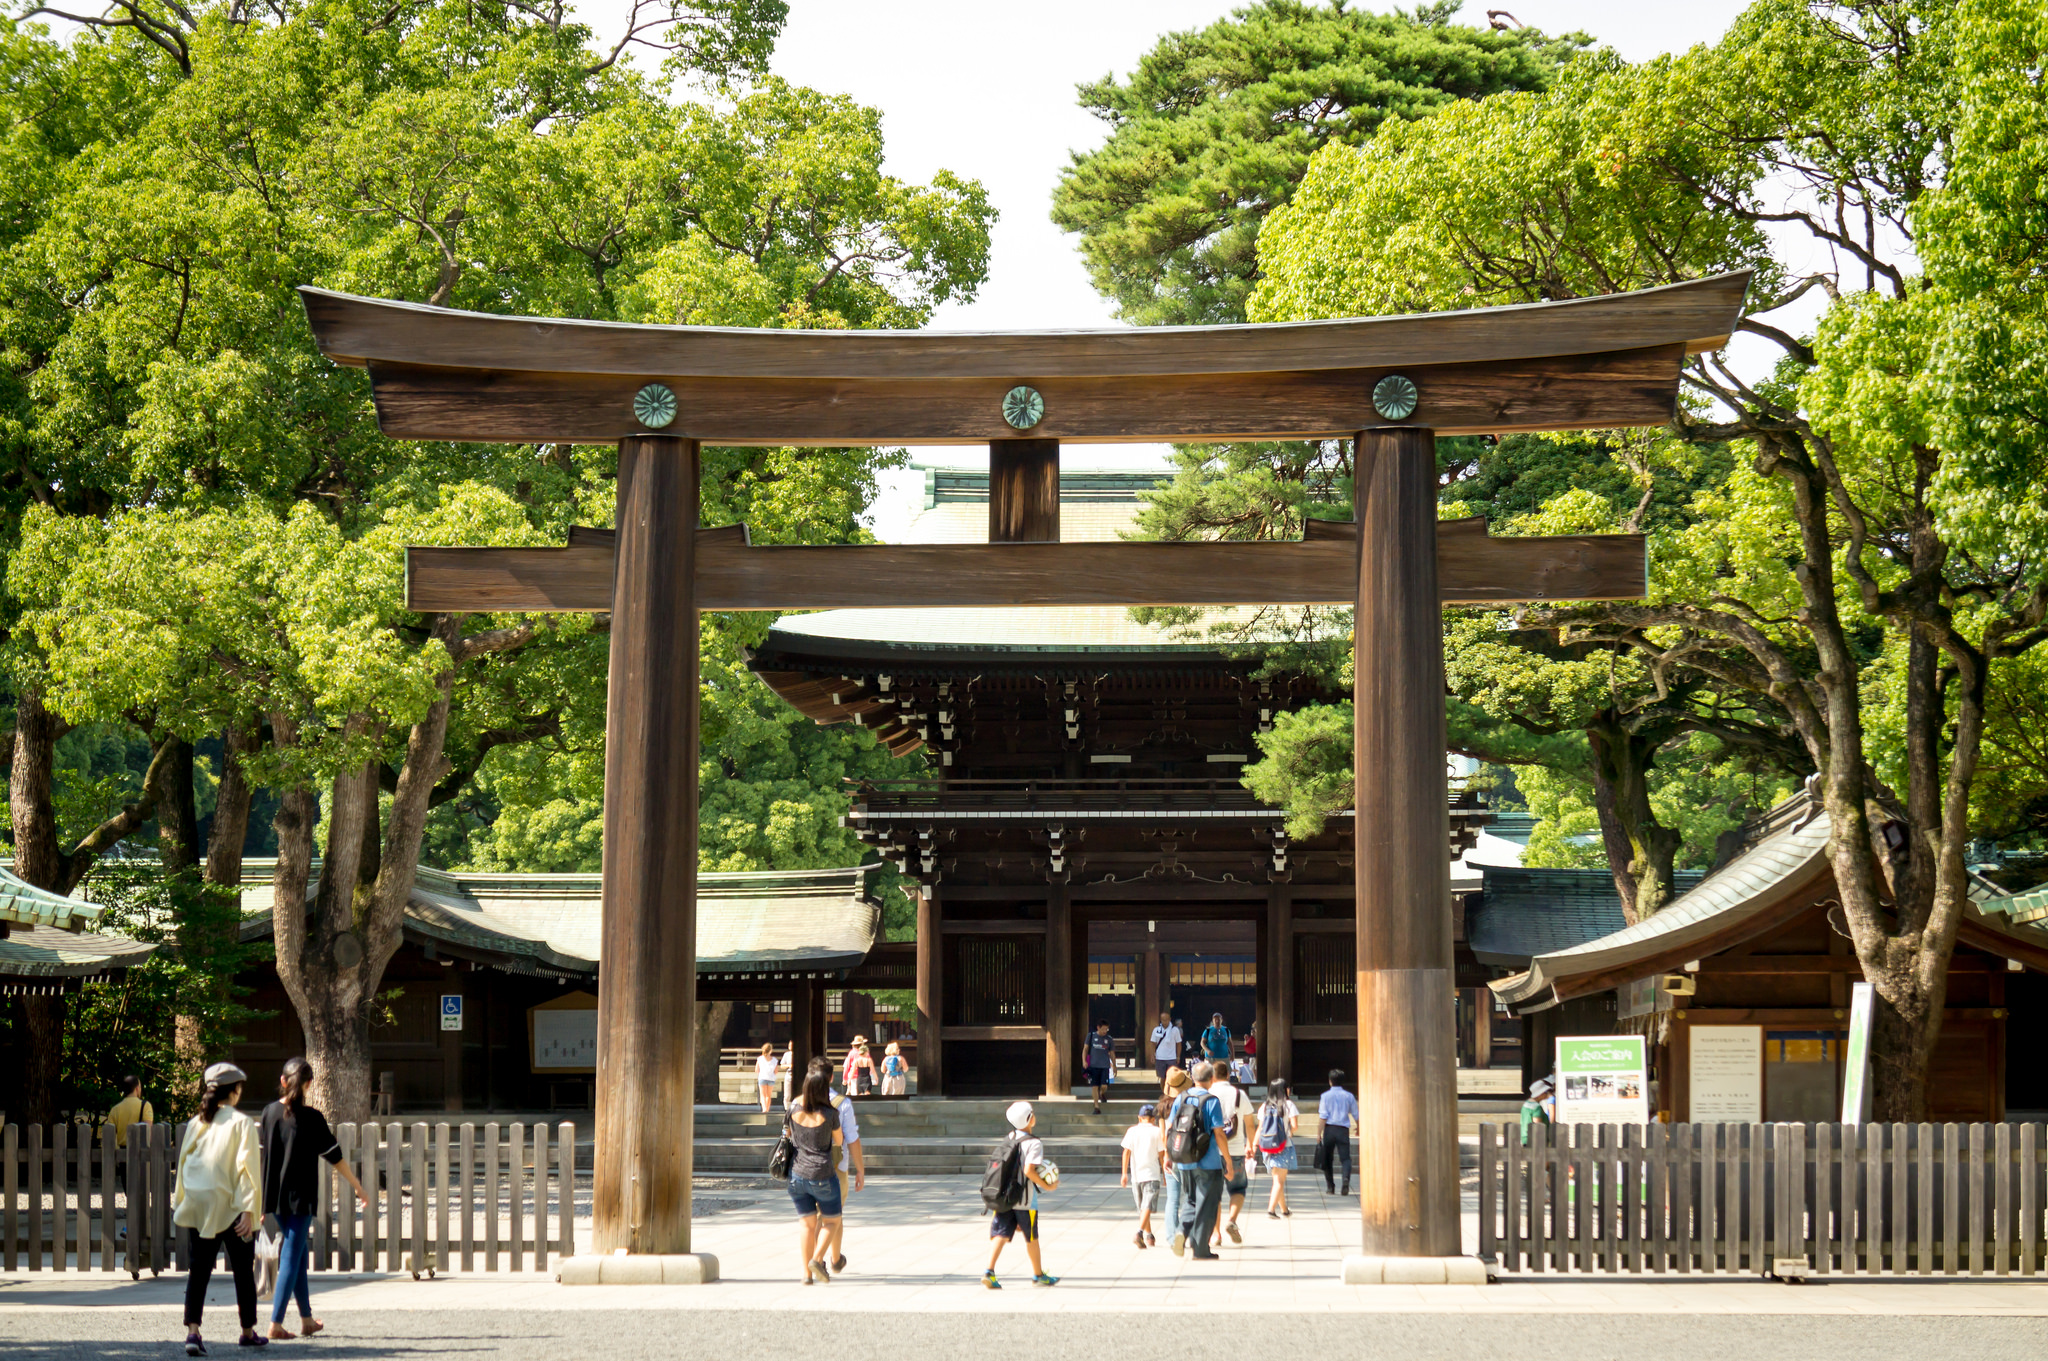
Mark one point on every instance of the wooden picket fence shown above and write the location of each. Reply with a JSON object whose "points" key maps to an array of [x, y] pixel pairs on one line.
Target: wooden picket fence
{"points": [[442, 1199], [1787, 1200]]}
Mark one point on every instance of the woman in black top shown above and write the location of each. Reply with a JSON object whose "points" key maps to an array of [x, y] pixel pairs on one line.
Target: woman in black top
{"points": [[294, 1137], [813, 1176]]}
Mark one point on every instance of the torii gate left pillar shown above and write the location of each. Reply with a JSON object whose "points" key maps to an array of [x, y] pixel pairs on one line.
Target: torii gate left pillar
{"points": [[640, 1187]]}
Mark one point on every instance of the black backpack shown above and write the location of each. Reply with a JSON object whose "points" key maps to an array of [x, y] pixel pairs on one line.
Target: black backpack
{"points": [[1002, 1184], [1187, 1133]]}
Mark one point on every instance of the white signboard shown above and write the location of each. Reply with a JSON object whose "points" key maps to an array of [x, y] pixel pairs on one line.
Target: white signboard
{"points": [[1603, 1080], [1727, 1074], [1856, 1070], [565, 1039], [451, 1012]]}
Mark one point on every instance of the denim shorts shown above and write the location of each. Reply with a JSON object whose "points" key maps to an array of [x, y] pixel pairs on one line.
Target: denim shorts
{"points": [[815, 1197]]}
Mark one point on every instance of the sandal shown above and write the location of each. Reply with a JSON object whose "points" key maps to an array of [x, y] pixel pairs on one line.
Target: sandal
{"points": [[310, 1326]]}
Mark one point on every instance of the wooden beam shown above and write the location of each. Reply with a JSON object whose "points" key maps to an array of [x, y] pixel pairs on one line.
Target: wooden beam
{"points": [[1024, 491], [355, 330], [1557, 392], [1472, 569]]}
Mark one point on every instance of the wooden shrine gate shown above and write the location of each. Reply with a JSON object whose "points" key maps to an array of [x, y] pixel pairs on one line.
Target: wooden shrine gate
{"points": [[1390, 384]]}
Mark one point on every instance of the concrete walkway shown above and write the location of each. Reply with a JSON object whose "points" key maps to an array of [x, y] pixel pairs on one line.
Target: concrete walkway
{"points": [[918, 1245]]}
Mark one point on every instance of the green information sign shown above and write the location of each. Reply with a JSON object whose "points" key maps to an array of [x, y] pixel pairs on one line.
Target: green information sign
{"points": [[1603, 1080]]}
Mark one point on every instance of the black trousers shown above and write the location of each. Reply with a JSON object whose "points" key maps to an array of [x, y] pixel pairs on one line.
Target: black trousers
{"points": [[1336, 1143], [201, 1252]]}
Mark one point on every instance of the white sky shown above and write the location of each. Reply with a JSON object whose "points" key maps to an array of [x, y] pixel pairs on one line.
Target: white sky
{"points": [[987, 91]]}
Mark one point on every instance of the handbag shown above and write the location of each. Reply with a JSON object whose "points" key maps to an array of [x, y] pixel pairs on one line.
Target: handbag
{"points": [[784, 1156]]}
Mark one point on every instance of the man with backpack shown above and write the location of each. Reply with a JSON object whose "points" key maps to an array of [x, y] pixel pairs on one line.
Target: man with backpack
{"points": [[1201, 1158], [1009, 1189]]}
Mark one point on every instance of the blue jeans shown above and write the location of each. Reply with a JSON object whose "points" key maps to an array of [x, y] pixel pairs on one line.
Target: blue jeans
{"points": [[1201, 1196], [1173, 1202], [291, 1268]]}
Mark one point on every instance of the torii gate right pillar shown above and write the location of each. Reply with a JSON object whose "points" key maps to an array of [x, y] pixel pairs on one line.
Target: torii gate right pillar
{"points": [[1407, 1078]]}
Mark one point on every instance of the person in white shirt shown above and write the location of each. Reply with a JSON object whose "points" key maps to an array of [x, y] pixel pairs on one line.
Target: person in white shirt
{"points": [[1145, 1169], [1236, 1139], [767, 1076], [1165, 1044], [217, 1201]]}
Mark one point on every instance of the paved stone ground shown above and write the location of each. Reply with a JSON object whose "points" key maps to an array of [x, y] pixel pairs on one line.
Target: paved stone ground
{"points": [[916, 1247]]}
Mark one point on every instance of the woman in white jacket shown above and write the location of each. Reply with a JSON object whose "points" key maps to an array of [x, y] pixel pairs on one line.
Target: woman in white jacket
{"points": [[217, 1201]]}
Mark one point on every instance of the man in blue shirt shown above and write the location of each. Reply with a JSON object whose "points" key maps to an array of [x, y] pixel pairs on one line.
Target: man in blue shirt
{"points": [[1201, 1181], [1216, 1043], [1339, 1112]]}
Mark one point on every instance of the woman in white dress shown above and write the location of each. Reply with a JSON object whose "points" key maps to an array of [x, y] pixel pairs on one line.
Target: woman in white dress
{"points": [[767, 1076]]}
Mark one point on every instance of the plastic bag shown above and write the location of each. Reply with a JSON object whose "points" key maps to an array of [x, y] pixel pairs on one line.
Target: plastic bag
{"points": [[269, 1246]]}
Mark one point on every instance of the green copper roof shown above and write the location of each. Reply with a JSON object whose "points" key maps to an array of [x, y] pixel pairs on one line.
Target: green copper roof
{"points": [[23, 904], [46, 952]]}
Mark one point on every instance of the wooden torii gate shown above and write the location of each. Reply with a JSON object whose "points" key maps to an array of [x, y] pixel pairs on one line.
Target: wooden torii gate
{"points": [[1391, 384]]}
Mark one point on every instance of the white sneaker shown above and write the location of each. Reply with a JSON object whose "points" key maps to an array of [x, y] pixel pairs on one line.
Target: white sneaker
{"points": [[1180, 1242]]}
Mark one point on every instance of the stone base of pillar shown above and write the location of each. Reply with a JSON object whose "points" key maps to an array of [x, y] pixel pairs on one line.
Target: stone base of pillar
{"points": [[1414, 1271], [648, 1268]]}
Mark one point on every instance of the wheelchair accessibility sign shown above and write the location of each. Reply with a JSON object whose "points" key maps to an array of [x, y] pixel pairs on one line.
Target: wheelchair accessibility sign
{"points": [[451, 1012]]}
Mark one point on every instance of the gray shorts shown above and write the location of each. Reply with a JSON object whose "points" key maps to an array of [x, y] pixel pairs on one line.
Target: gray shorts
{"points": [[1145, 1194]]}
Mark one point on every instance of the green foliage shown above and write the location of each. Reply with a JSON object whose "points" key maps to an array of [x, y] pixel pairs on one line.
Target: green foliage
{"points": [[1215, 127], [127, 1023]]}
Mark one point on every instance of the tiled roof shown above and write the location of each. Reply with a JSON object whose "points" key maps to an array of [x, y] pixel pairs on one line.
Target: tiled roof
{"points": [[23, 904], [1526, 912], [780, 920], [48, 952], [1791, 849]]}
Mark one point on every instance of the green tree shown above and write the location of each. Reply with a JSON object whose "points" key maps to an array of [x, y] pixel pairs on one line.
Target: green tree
{"points": [[237, 568], [1215, 128], [1878, 550]]}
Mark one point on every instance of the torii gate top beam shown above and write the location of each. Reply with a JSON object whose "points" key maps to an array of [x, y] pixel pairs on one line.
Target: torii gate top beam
{"points": [[1587, 363]]}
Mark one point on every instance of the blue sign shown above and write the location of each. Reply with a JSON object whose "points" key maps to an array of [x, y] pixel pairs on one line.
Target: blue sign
{"points": [[451, 1011]]}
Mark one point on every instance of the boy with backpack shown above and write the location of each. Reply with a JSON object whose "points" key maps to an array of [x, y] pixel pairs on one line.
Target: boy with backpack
{"points": [[1017, 1171], [1145, 1169], [1202, 1159]]}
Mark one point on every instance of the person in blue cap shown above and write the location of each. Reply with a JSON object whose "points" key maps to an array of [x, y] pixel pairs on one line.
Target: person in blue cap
{"points": [[1145, 1169]]}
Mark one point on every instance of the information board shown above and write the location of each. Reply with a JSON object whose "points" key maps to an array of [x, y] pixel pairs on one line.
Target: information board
{"points": [[1603, 1080], [1726, 1075], [1856, 1069], [564, 1039]]}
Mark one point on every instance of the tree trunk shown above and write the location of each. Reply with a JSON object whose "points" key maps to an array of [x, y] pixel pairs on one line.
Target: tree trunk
{"points": [[231, 807], [44, 1016], [1641, 851], [37, 856], [177, 829], [711, 1022], [355, 924]]}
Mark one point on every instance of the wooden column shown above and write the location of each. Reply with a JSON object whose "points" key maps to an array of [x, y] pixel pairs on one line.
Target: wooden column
{"points": [[801, 1004], [931, 1053], [1059, 991], [1407, 1066], [1024, 491], [1154, 997], [647, 992], [451, 1061], [1276, 1037], [821, 1021]]}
